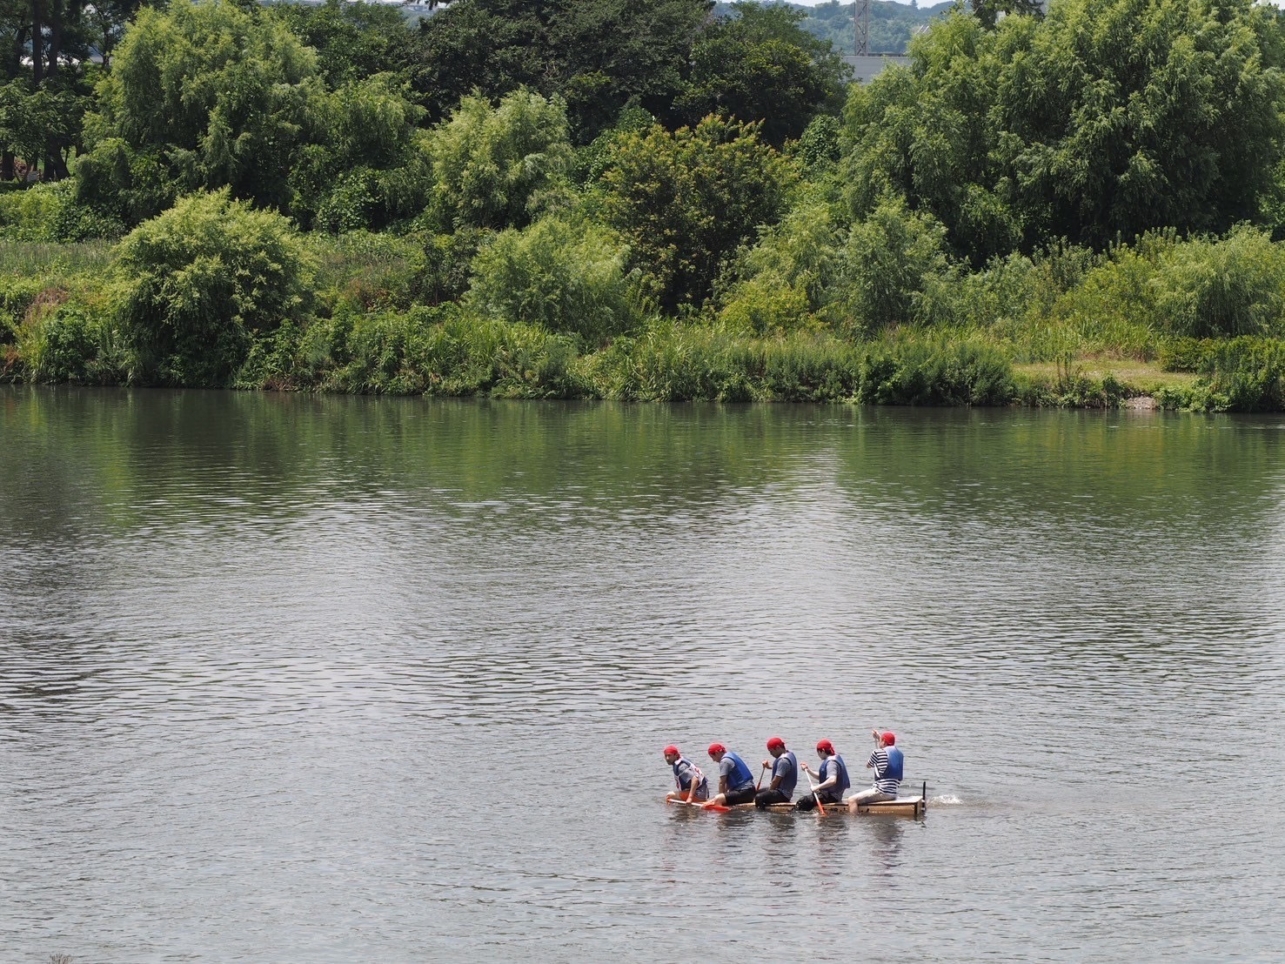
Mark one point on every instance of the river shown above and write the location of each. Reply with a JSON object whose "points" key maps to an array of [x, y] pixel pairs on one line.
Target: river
{"points": [[295, 678]]}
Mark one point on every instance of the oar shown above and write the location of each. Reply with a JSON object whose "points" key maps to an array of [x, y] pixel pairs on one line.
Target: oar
{"points": [[812, 787], [762, 770]]}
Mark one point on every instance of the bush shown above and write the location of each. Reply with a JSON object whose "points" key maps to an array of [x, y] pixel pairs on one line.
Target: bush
{"points": [[781, 281], [685, 201], [491, 164], [568, 277], [936, 373], [889, 260], [200, 282], [1235, 286]]}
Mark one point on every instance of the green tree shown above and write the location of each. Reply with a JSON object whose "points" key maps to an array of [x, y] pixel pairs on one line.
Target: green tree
{"points": [[353, 40], [568, 277], [200, 282], [490, 165], [1106, 118], [760, 65], [213, 95], [597, 55], [686, 200]]}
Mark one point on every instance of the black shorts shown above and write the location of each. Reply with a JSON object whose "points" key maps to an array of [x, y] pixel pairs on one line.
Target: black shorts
{"points": [[809, 802], [743, 795], [767, 797]]}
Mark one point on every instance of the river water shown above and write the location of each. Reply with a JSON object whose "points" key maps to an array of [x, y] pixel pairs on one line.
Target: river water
{"points": [[287, 678]]}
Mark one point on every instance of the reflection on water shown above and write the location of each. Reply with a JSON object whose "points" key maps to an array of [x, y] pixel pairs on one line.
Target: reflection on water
{"points": [[297, 678]]}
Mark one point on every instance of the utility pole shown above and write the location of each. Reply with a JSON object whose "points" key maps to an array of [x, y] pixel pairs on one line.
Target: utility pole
{"points": [[863, 27]]}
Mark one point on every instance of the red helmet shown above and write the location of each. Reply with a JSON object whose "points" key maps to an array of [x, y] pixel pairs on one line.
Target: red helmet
{"points": [[825, 745], [716, 748], [671, 749], [775, 742], [887, 738]]}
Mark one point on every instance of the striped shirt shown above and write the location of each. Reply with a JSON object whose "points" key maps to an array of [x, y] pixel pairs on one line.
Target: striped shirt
{"points": [[879, 763]]}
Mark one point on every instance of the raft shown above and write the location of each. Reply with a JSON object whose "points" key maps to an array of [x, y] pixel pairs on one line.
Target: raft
{"points": [[915, 807]]}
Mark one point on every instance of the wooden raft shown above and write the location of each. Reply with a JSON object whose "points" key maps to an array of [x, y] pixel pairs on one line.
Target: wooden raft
{"points": [[901, 807]]}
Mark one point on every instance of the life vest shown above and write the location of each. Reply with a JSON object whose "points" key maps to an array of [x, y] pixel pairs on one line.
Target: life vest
{"points": [[787, 782], [836, 763], [740, 776], [895, 763], [697, 777]]}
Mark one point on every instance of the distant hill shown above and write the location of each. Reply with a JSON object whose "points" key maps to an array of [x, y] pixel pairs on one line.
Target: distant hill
{"points": [[891, 24]]}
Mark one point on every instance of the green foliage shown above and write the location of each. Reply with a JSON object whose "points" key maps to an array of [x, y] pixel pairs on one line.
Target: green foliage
{"points": [[491, 165], [685, 201], [42, 124], [200, 282], [50, 212], [783, 281], [1105, 119], [1237, 375], [937, 372], [891, 257], [212, 95], [596, 55], [569, 277], [353, 40], [759, 65]]}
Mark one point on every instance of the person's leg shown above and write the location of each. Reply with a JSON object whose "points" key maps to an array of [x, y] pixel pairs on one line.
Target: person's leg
{"points": [[737, 797], [765, 798], [866, 796], [806, 804]]}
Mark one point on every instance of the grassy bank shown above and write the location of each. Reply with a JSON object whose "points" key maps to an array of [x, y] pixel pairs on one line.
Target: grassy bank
{"points": [[1035, 341]]}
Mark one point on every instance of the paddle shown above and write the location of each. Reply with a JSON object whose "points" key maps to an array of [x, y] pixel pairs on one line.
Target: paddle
{"points": [[812, 787], [759, 786]]}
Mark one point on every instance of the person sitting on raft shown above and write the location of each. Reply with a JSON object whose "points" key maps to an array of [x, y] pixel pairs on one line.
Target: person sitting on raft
{"points": [[690, 784], [735, 782], [887, 763], [833, 779], [785, 774]]}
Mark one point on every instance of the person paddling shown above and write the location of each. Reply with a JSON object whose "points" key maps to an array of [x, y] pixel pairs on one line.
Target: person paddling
{"points": [[735, 782], [785, 774], [833, 779], [690, 784], [888, 764]]}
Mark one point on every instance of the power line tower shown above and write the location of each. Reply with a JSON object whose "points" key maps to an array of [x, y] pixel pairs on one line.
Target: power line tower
{"points": [[863, 27]]}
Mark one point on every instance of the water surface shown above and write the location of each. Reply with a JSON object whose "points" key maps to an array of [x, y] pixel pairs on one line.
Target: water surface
{"points": [[290, 678]]}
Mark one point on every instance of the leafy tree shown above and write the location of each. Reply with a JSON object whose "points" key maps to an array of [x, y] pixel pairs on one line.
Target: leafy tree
{"points": [[597, 55], [353, 40], [569, 277], [201, 282], [760, 65], [685, 200], [211, 94], [891, 257], [490, 165], [1106, 118]]}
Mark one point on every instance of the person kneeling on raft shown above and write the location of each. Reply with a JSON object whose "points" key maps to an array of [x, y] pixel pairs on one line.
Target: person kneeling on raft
{"points": [[689, 783], [887, 763], [833, 779], [735, 782], [785, 774]]}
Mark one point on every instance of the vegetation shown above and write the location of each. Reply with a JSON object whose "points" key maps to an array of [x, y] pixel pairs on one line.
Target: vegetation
{"points": [[650, 200]]}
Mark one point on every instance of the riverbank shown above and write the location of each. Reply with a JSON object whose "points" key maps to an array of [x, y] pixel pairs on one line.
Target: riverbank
{"points": [[365, 332]]}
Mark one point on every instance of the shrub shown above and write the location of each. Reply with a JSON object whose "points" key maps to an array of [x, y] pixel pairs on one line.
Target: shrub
{"points": [[685, 201], [568, 277], [889, 260], [200, 282], [490, 164]]}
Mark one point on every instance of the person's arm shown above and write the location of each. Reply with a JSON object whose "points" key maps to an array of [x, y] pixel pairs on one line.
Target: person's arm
{"points": [[829, 782]]}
